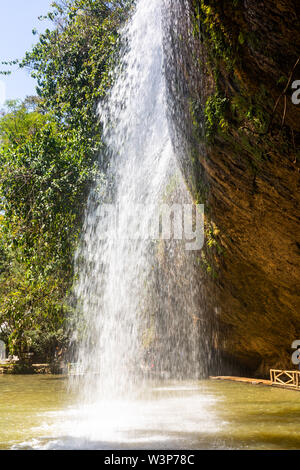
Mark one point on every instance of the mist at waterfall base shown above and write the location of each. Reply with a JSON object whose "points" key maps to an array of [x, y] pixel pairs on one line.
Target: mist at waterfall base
{"points": [[141, 349]]}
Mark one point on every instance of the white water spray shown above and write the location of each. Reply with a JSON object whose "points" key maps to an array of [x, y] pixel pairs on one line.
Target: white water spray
{"points": [[138, 297]]}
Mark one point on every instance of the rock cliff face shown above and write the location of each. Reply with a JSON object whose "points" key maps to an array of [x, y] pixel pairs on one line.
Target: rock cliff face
{"points": [[230, 68]]}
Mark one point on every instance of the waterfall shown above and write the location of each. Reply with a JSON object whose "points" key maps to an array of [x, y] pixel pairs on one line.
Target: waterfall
{"points": [[138, 298]]}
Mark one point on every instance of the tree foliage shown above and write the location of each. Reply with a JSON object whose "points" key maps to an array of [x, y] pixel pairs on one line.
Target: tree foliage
{"points": [[48, 150]]}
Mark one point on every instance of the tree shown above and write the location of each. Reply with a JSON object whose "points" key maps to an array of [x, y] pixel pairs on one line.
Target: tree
{"points": [[44, 177], [48, 160]]}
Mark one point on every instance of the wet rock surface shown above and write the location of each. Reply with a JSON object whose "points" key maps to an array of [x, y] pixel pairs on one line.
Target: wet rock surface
{"points": [[236, 132]]}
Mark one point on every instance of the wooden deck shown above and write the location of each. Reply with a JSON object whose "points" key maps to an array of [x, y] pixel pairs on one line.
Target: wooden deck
{"points": [[242, 379], [288, 379]]}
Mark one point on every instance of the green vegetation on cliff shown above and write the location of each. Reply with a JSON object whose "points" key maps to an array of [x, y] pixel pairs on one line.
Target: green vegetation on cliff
{"points": [[247, 57]]}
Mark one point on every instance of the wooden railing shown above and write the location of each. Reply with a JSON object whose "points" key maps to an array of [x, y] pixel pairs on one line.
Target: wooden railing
{"points": [[288, 378]]}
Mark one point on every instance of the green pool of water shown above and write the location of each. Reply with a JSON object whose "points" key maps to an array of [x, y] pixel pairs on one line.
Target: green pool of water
{"points": [[40, 412]]}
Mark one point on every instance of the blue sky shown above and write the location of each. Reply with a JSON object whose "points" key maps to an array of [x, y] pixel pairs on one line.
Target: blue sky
{"points": [[17, 20]]}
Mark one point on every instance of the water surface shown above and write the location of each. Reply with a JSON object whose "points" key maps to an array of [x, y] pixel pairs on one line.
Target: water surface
{"points": [[40, 412]]}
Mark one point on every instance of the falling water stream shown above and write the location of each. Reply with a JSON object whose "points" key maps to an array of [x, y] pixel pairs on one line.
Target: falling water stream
{"points": [[137, 295]]}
